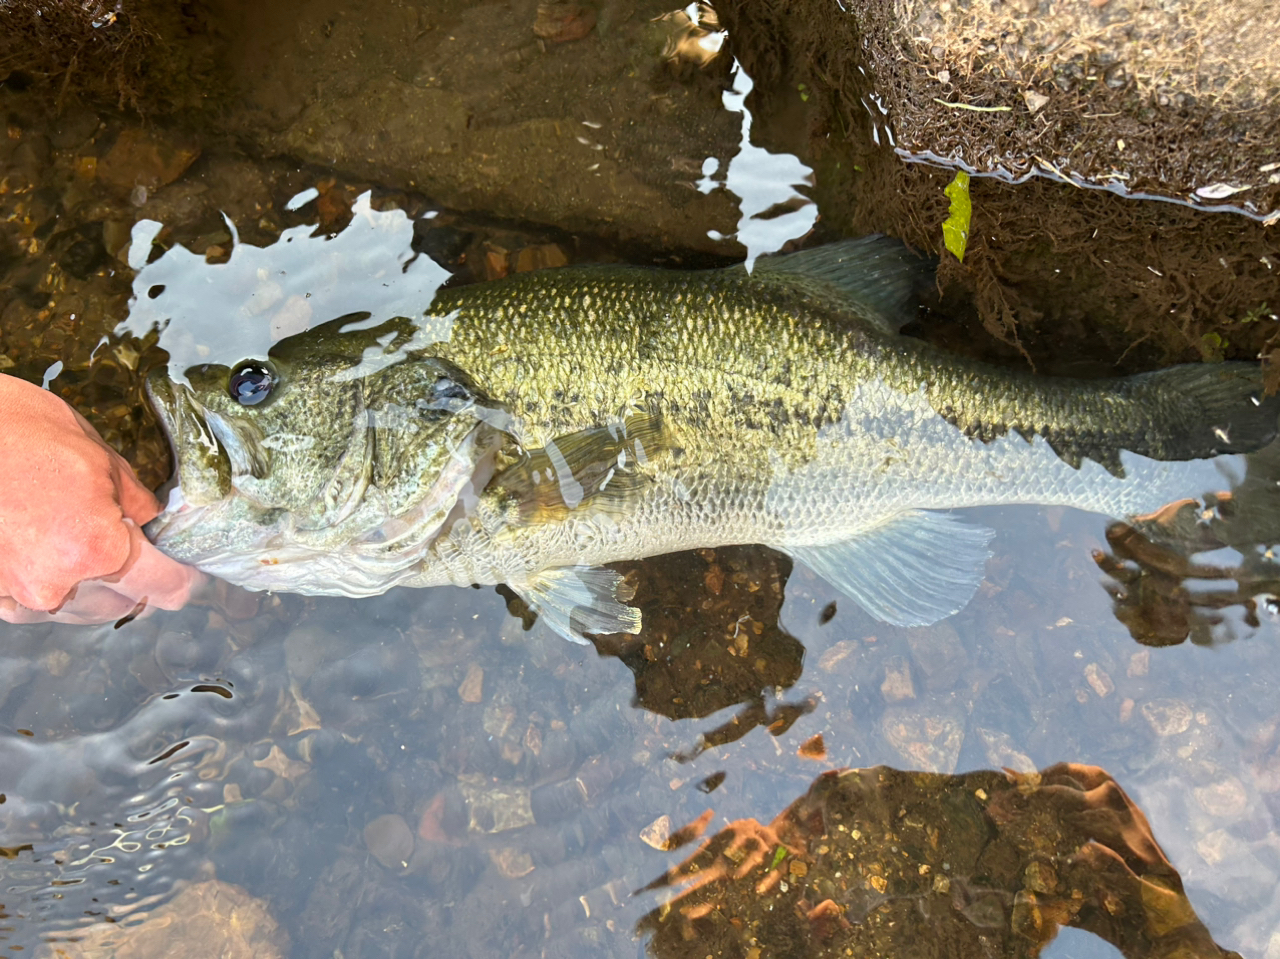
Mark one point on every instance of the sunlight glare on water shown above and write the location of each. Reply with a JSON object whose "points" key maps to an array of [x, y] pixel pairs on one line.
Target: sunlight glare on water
{"points": [[228, 312], [772, 210]]}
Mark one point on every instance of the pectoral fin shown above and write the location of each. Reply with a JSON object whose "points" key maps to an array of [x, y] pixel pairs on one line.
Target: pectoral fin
{"points": [[599, 468], [574, 600], [912, 570]]}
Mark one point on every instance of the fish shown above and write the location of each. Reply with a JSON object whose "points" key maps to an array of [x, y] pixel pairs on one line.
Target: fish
{"points": [[529, 431]]}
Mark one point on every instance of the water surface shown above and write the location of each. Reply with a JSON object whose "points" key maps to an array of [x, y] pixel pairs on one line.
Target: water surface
{"points": [[431, 773]]}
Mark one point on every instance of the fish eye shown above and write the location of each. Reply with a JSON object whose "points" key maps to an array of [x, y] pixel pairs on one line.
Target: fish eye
{"points": [[445, 395], [446, 389], [251, 383]]}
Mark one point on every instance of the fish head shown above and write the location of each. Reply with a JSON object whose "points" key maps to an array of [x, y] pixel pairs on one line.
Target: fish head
{"points": [[327, 468]]}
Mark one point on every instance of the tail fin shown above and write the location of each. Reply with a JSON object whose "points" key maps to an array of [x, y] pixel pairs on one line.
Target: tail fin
{"points": [[1206, 409]]}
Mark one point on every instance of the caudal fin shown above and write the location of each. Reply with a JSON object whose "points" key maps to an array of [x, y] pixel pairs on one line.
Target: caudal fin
{"points": [[1205, 409]]}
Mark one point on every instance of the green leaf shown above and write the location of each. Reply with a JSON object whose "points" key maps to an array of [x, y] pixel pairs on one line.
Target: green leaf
{"points": [[955, 229], [1253, 316], [779, 855], [1213, 347]]}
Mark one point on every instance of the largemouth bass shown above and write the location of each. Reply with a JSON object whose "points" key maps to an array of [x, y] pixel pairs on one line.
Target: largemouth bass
{"points": [[529, 430]]}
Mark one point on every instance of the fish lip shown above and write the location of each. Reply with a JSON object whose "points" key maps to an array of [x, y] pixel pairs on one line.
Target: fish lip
{"points": [[177, 516], [173, 404], [161, 397], [163, 400]]}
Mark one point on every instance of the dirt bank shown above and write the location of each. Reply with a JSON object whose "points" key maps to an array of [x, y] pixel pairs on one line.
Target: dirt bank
{"points": [[1071, 279]]}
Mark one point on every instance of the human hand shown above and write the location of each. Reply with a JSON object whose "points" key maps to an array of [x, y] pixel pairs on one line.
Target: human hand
{"points": [[1109, 875], [71, 517]]}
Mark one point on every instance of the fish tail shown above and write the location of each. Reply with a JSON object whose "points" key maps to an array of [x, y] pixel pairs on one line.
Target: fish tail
{"points": [[1190, 412], [1206, 409]]}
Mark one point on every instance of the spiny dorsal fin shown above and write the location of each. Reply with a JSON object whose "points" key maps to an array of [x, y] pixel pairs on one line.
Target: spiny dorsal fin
{"points": [[877, 273]]}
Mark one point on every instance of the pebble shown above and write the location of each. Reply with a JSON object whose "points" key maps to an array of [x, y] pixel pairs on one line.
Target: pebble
{"points": [[495, 808], [511, 862], [928, 743], [140, 159], [657, 832], [563, 22], [1099, 680], [206, 919], [390, 840], [939, 654], [472, 688], [1002, 752], [897, 684], [830, 660], [814, 748], [1168, 717], [1223, 800]]}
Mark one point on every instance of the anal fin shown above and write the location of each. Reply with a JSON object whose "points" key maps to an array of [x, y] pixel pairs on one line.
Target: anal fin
{"points": [[911, 570], [575, 600]]}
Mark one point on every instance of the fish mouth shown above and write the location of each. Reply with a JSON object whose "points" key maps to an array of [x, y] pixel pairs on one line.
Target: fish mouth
{"points": [[201, 469], [227, 534], [164, 401], [184, 427]]}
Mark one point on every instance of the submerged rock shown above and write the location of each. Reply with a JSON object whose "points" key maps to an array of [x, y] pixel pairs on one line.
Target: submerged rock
{"points": [[207, 919], [887, 863], [476, 109]]}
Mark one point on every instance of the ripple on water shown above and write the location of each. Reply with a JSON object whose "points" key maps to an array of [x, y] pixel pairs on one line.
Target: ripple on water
{"points": [[110, 774]]}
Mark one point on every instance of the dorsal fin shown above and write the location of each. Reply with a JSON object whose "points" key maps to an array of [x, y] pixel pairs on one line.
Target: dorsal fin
{"points": [[877, 273]]}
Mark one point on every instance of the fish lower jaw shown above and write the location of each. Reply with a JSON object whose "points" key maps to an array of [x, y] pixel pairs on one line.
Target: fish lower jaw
{"points": [[307, 572], [223, 541]]}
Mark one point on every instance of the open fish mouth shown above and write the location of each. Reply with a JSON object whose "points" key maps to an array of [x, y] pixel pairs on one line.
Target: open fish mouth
{"points": [[228, 534], [196, 454]]}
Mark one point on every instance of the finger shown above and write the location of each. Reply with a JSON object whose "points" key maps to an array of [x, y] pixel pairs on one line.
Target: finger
{"points": [[148, 580], [61, 513], [90, 604], [11, 611], [53, 539], [136, 501], [151, 576]]}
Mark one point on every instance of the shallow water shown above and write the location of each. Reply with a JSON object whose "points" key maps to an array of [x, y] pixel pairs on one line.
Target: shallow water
{"points": [[425, 774]]}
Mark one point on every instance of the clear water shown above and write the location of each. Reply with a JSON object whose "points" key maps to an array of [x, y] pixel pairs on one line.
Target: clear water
{"points": [[420, 774]]}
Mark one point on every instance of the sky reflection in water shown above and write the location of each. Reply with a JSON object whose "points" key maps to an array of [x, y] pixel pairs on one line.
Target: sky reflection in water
{"points": [[228, 312]]}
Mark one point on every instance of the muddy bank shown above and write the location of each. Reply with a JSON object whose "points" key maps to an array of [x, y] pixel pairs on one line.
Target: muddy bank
{"points": [[561, 114], [1069, 279], [149, 56], [1176, 99]]}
